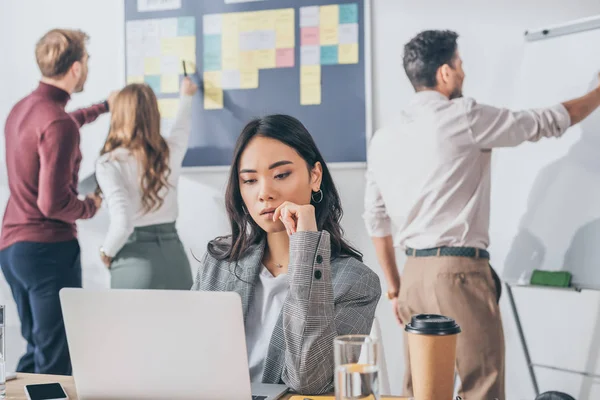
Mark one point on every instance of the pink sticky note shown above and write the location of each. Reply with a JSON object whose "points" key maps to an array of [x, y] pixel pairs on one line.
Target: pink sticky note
{"points": [[285, 58], [309, 36]]}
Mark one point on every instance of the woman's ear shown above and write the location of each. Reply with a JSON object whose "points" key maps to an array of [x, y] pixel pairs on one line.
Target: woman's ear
{"points": [[316, 176]]}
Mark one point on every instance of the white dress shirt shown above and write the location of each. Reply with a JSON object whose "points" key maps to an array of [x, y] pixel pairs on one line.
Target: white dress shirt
{"points": [[428, 174], [118, 174], [264, 310]]}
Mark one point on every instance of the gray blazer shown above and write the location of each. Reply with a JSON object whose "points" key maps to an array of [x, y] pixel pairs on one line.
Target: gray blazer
{"points": [[327, 298]]}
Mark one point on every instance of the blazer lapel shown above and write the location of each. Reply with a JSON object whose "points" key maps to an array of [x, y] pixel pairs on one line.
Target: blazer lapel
{"points": [[245, 274]]}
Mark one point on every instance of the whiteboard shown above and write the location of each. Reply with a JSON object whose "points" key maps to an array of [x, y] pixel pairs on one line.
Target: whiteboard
{"points": [[546, 195]]}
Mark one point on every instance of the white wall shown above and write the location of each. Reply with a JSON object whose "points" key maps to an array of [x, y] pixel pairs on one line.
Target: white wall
{"points": [[491, 46]]}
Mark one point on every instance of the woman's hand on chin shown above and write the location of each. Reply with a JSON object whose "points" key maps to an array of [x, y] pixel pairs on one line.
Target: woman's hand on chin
{"points": [[296, 218]]}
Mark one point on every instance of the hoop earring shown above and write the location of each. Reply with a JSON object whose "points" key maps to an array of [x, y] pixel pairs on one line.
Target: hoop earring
{"points": [[319, 195]]}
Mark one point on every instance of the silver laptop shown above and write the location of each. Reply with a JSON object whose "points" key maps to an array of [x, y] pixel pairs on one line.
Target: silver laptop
{"points": [[158, 344]]}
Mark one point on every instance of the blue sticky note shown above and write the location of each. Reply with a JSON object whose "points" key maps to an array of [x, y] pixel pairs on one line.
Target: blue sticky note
{"points": [[212, 61], [212, 44], [329, 55], [154, 82], [349, 13], [186, 26]]}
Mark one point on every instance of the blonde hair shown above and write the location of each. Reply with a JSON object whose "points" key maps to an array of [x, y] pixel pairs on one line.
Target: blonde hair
{"points": [[135, 125], [58, 49]]}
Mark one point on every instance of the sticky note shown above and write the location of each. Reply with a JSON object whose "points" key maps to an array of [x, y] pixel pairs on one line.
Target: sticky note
{"points": [[310, 55], [231, 79], [135, 79], [212, 62], [212, 24], [284, 58], [328, 35], [266, 20], [153, 81], [248, 78], [231, 60], [329, 16], [186, 26], [168, 107], [212, 43], [212, 79], [329, 55], [213, 99], [310, 75], [183, 47], [248, 21], [309, 36], [348, 53], [167, 27], [348, 13], [152, 66], [265, 59], [169, 83], [309, 16], [248, 60], [135, 65], [212, 52], [310, 94], [231, 23], [257, 40], [348, 33], [284, 28]]}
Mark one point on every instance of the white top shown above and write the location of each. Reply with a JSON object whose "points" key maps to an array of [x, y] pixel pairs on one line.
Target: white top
{"points": [[428, 174], [263, 312], [118, 175]]}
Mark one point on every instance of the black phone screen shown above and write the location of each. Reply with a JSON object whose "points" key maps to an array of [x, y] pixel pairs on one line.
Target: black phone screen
{"points": [[46, 391]]}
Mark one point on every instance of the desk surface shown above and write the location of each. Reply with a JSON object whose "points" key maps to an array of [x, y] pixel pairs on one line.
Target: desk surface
{"points": [[15, 388]]}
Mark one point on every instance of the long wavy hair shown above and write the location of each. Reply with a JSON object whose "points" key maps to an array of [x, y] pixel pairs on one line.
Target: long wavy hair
{"points": [[135, 125], [245, 232]]}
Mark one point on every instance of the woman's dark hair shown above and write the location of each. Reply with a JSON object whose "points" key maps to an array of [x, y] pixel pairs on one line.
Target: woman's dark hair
{"points": [[244, 231]]}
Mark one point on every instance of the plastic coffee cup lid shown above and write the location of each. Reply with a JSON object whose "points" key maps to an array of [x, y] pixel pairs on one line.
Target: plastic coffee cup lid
{"points": [[432, 324]]}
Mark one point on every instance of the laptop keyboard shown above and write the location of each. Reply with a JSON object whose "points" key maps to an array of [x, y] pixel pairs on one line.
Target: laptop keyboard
{"points": [[259, 397]]}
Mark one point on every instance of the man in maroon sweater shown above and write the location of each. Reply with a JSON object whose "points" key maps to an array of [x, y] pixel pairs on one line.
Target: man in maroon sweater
{"points": [[39, 252]]}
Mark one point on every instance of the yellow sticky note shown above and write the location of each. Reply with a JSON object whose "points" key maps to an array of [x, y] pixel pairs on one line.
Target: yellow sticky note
{"points": [[310, 94], [284, 28], [248, 21], [183, 47], [348, 53], [169, 83], [230, 51], [135, 79], [265, 59], [310, 75], [231, 23], [213, 99], [266, 20], [328, 35], [188, 48], [249, 78], [248, 59], [152, 66], [329, 15], [212, 80], [168, 107]]}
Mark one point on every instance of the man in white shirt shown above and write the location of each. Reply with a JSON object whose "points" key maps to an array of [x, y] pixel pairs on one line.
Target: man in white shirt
{"points": [[429, 177]]}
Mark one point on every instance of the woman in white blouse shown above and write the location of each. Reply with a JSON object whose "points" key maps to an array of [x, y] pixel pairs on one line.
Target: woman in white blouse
{"points": [[138, 173]]}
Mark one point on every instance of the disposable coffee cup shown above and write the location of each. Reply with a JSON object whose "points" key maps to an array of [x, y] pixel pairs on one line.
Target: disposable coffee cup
{"points": [[432, 350]]}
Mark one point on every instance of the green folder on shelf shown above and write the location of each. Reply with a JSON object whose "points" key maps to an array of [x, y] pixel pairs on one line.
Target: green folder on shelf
{"points": [[551, 278]]}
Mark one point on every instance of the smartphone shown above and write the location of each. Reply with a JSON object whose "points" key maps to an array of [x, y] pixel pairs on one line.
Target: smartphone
{"points": [[46, 391]]}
